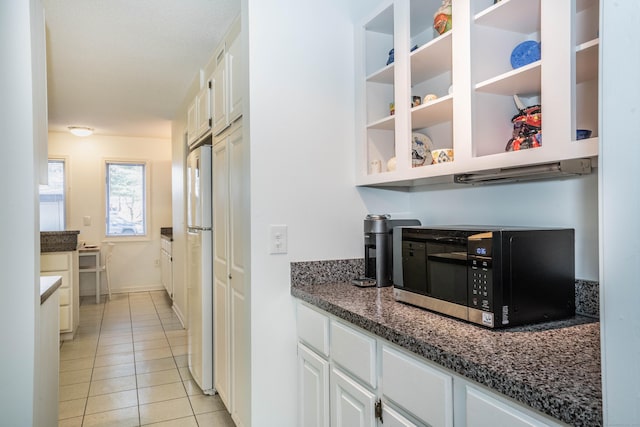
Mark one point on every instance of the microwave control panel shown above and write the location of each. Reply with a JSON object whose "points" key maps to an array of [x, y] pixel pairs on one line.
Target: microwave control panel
{"points": [[480, 284], [480, 275]]}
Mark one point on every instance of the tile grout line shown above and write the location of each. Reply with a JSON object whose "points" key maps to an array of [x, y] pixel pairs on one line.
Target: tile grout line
{"points": [[164, 331], [95, 354]]}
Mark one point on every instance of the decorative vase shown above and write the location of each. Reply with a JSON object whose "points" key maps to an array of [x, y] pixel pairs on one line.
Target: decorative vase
{"points": [[442, 17]]}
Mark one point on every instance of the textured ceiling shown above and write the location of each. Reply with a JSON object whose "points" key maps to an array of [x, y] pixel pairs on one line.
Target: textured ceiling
{"points": [[123, 67]]}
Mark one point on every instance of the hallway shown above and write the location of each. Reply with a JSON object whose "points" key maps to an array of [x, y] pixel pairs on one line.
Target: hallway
{"points": [[127, 366]]}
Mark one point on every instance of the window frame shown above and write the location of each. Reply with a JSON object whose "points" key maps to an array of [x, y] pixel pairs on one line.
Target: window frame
{"points": [[146, 236], [67, 193]]}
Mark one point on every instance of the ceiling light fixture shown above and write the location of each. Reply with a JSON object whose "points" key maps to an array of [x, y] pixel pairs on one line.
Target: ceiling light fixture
{"points": [[80, 130]]}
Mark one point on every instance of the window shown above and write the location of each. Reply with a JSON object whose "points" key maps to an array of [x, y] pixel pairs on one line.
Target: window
{"points": [[53, 198], [126, 198]]}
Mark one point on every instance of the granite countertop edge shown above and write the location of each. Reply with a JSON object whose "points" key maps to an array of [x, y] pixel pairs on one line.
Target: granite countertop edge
{"points": [[48, 285], [578, 410]]}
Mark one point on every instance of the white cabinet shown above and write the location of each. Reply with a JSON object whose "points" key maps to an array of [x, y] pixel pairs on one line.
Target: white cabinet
{"points": [[231, 363], [354, 378], [64, 264], [482, 410], [204, 109], [199, 114], [313, 388], [369, 384], [192, 121], [227, 87], [469, 71], [352, 405], [420, 389], [47, 364], [166, 265]]}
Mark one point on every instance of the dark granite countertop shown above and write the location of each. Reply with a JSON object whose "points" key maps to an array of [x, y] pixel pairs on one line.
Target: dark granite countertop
{"points": [[552, 367], [48, 285], [59, 241], [166, 232]]}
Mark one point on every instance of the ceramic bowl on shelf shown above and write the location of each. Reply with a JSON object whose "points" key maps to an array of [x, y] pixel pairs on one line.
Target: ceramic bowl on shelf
{"points": [[442, 155], [525, 53], [421, 146], [583, 133], [391, 164]]}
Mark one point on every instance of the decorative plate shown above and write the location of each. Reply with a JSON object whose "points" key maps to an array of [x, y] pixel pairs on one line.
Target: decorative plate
{"points": [[525, 53], [421, 147]]}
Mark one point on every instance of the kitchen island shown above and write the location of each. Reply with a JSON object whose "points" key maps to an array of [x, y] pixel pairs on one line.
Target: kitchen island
{"points": [[553, 368]]}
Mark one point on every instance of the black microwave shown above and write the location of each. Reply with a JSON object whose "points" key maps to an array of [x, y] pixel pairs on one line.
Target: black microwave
{"points": [[496, 277]]}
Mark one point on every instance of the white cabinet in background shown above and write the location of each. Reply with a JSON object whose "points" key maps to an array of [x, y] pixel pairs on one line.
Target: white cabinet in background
{"points": [[231, 348], [65, 264], [204, 109], [192, 121], [226, 82], [468, 68], [166, 265]]}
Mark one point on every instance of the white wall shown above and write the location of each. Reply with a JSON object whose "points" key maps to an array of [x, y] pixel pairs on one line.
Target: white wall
{"points": [[179, 153], [134, 261], [301, 123], [571, 203], [619, 212], [20, 123]]}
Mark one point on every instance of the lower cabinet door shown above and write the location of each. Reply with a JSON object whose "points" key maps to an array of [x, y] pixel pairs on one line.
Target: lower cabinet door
{"points": [[352, 405], [393, 418], [313, 389], [65, 318]]}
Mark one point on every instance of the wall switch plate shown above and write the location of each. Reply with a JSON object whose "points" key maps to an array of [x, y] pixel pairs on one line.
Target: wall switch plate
{"points": [[277, 239], [86, 220]]}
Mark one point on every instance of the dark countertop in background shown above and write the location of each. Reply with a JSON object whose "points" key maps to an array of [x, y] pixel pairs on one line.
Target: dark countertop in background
{"points": [[59, 241], [552, 367], [166, 232]]}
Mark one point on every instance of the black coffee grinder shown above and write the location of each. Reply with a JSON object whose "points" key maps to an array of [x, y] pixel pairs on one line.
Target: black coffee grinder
{"points": [[378, 249]]}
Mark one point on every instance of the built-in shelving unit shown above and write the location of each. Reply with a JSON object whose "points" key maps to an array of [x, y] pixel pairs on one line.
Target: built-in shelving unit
{"points": [[469, 71]]}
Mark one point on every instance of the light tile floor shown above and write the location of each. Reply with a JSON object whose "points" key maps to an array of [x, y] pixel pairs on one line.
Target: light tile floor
{"points": [[127, 366]]}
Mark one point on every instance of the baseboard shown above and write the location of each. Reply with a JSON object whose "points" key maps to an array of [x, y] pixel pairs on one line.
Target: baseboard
{"points": [[178, 313], [139, 288]]}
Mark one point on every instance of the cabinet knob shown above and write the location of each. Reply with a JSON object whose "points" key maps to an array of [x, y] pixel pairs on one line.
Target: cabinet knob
{"points": [[230, 277]]}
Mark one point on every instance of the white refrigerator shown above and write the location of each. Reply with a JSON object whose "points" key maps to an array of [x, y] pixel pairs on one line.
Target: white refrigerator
{"points": [[199, 268]]}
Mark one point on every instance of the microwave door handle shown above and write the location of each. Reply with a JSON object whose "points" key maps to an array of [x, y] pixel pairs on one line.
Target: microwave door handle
{"points": [[457, 240]]}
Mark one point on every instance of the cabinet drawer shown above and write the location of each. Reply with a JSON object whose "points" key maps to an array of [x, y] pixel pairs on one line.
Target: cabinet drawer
{"points": [[483, 410], [354, 351], [313, 329], [65, 296], [65, 318], [53, 262], [425, 392]]}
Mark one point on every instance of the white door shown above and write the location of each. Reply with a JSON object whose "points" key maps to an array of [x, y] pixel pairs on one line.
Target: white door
{"points": [[393, 418], [313, 389], [221, 270], [352, 405], [234, 67], [219, 83], [238, 218]]}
